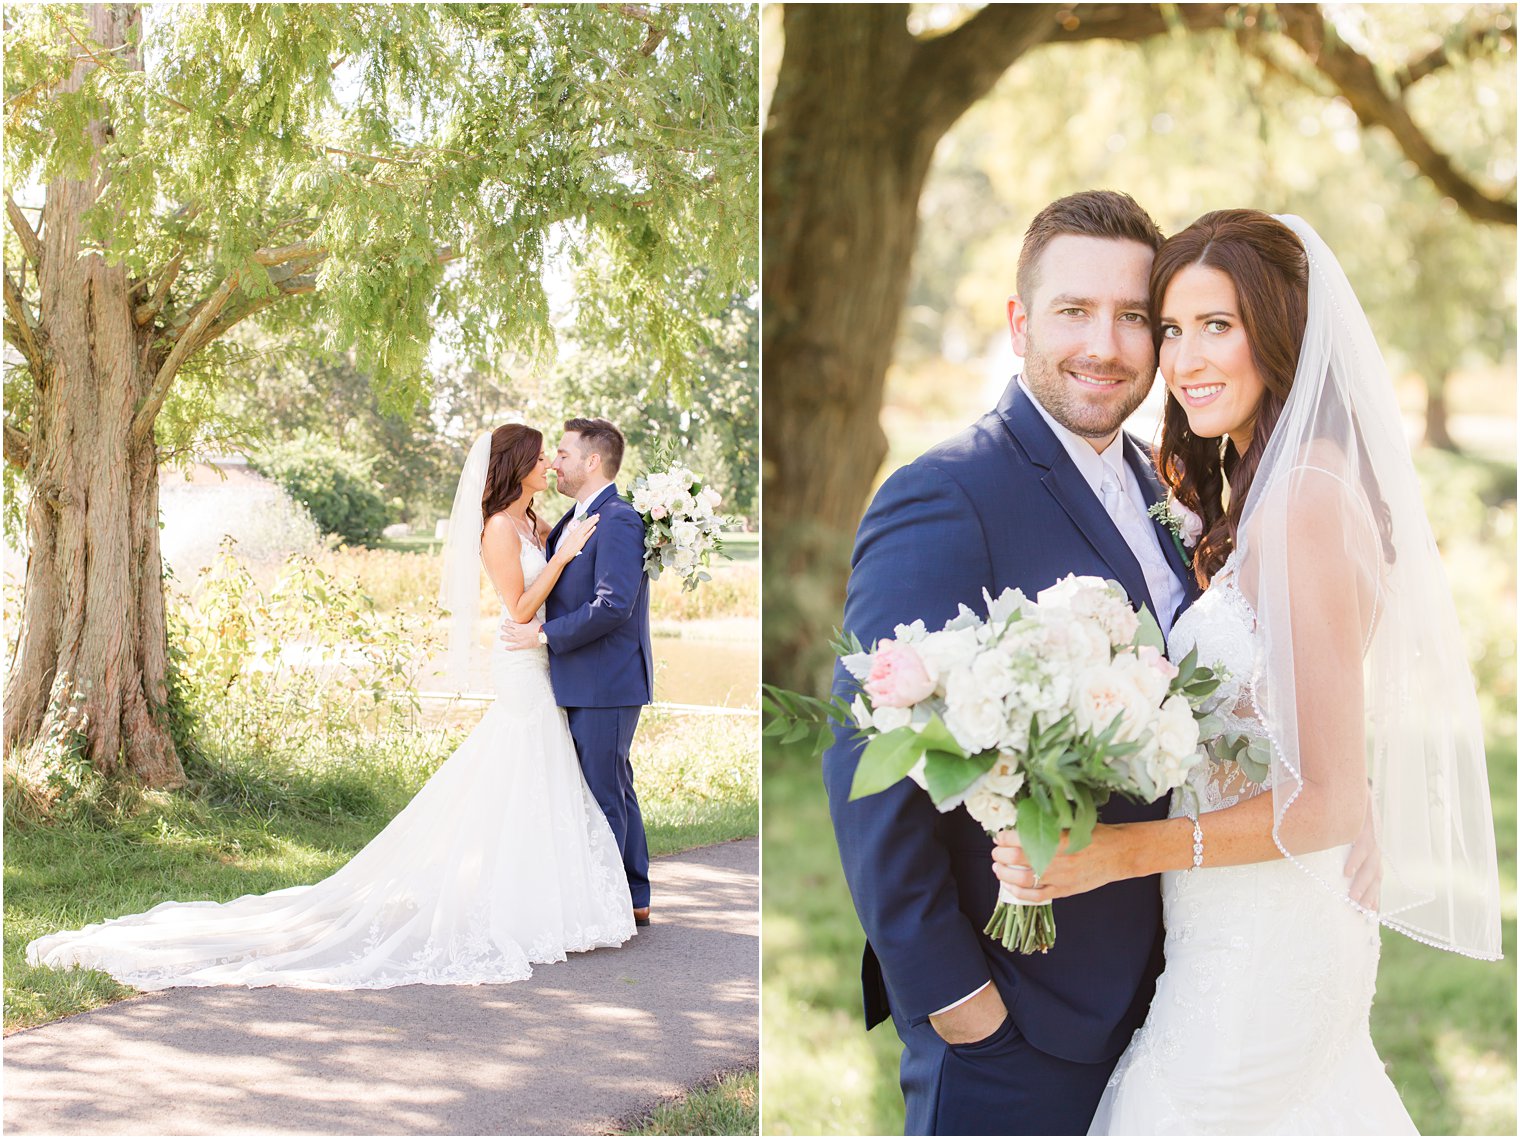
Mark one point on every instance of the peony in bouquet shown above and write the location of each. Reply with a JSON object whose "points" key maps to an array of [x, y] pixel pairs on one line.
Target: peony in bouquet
{"points": [[681, 523], [1031, 717]]}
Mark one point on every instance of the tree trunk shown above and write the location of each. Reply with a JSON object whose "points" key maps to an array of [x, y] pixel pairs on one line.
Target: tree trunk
{"points": [[91, 657], [1437, 432], [858, 109]]}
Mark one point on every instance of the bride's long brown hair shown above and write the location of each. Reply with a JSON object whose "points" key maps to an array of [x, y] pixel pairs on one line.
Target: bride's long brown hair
{"points": [[515, 451], [1270, 271]]}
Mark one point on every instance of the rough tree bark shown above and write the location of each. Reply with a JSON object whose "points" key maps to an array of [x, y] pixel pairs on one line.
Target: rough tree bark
{"points": [[859, 106], [92, 621]]}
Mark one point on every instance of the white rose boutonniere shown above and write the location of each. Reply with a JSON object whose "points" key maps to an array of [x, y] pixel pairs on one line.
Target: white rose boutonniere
{"points": [[1185, 526]]}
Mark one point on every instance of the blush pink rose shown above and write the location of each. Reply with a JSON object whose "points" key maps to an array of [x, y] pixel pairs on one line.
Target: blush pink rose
{"points": [[898, 678], [657, 513], [1151, 656]]}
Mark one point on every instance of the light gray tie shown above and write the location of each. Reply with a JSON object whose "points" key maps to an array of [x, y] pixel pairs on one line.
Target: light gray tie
{"points": [[1140, 537]]}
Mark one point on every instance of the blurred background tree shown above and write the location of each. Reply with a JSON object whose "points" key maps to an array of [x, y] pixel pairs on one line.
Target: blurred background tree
{"points": [[1391, 128]]}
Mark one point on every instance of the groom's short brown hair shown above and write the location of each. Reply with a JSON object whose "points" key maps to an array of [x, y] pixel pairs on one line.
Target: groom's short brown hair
{"points": [[1091, 213], [600, 436]]}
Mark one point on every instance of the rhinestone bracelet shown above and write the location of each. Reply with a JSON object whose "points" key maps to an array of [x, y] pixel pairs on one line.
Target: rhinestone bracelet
{"points": [[1197, 844]]}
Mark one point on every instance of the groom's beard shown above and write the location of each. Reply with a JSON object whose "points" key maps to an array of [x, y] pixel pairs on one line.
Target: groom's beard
{"points": [[1083, 411]]}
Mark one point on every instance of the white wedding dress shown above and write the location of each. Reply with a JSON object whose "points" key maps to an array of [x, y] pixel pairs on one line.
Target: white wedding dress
{"points": [[503, 860], [1259, 1024]]}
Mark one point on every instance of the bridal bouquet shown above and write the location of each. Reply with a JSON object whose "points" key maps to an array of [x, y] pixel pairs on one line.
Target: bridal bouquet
{"points": [[681, 526], [1031, 717]]}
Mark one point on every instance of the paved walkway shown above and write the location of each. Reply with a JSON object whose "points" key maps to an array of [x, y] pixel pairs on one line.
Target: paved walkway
{"points": [[584, 1044]]}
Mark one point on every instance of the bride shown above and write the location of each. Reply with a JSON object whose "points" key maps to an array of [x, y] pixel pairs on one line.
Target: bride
{"points": [[501, 861], [1327, 609]]}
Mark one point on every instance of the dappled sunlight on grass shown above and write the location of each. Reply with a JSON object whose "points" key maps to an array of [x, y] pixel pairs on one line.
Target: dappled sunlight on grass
{"points": [[250, 825]]}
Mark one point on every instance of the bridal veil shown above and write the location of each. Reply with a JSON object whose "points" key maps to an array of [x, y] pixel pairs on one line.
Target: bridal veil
{"points": [[1337, 557]]}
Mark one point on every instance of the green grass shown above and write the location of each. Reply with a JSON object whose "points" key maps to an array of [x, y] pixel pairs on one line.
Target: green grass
{"points": [[728, 1105], [1444, 1024], [251, 827]]}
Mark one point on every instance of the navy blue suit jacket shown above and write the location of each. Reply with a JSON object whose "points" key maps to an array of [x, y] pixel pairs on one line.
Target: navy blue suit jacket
{"points": [[597, 616], [999, 505]]}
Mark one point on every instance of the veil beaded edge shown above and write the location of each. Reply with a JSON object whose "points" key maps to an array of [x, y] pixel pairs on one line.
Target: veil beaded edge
{"points": [[1335, 511]]}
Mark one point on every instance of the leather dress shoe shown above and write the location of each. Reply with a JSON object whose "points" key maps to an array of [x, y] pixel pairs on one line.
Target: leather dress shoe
{"points": [[641, 915]]}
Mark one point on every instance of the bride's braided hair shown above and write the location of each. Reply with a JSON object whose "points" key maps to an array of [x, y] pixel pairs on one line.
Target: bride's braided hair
{"points": [[515, 451], [1270, 271]]}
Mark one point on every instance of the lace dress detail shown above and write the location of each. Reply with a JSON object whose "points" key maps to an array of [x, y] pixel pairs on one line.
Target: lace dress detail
{"points": [[1259, 1025], [503, 860]]}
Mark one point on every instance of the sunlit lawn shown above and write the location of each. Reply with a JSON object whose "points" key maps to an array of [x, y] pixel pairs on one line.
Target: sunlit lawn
{"points": [[696, 777]]}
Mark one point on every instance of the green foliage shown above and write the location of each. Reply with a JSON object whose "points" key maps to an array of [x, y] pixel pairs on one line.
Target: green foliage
{"points": [[334, 484], [310, 666], [431, 159], [716, 431], [1197, 121]]}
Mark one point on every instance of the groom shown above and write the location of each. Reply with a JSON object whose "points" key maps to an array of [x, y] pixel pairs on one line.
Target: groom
{"points": [[597, 633], [1044, 486]]}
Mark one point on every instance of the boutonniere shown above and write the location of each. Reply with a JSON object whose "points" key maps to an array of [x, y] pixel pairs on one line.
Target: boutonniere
{"points": [[1185, 526]]}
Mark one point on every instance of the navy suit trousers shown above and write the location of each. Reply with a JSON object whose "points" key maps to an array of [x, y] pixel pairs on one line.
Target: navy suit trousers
{"points": [[999, 1086], [603, 737]]}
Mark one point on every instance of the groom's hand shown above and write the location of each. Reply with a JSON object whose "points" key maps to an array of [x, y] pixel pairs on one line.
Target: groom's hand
{"points": [[516, 636], [973, 1020]]}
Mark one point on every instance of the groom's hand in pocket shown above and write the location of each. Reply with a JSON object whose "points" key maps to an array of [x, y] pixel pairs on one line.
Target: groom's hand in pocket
{"points": [[971, 1020]]}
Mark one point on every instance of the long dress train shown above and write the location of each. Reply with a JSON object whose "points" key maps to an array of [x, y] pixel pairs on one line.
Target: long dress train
{"points": [[503, 860]]}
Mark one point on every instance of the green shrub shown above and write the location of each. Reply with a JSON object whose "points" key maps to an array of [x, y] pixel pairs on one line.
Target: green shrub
{"points": [[334, 484]]}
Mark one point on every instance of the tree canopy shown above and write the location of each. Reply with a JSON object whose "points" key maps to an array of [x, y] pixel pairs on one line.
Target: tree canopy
{"points": [[401, 170]]}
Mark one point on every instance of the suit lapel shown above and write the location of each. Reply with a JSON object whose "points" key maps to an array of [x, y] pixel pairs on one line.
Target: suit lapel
{"points": [[608, 491], [1067, 486], [558, 529]]}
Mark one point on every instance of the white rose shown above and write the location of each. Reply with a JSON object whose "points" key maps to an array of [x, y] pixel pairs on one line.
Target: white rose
{"points": [[993, 671], [890, 719], [1070, 641], [1103, 692], [685, 533], [992, 810], [1004, 777], [1149, 680], [1167, 772], [975, 720], [1176, 729], [1097, 599], [947, 650]]}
